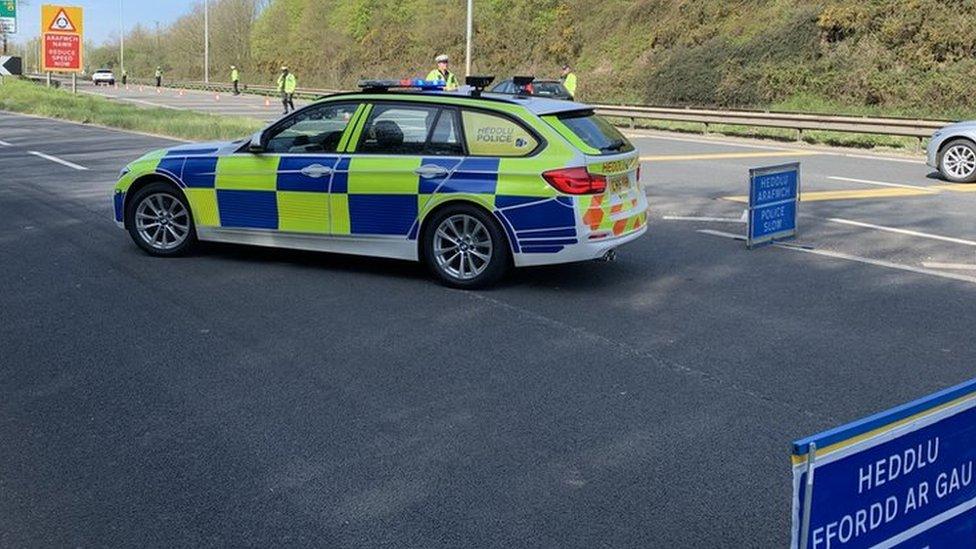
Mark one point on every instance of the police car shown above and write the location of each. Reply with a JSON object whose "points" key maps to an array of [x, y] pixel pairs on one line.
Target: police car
{"points": [[468, 182]]}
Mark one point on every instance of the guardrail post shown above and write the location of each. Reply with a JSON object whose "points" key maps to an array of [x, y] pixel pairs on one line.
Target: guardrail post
{"points": [[918, 145], [706, 128], [48, 79], [799, 134], [74, 82], [632, 122]]}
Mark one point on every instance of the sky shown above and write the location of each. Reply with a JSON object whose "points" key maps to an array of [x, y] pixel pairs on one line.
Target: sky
{"points": [[101, 17]]}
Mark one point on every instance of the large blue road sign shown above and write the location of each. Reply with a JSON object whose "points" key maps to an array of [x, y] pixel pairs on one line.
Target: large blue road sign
{"points": [[774, 192], [901, 478]]}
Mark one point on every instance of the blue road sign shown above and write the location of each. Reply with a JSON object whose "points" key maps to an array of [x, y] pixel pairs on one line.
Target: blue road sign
{"points": [[774, 192], [901, 478]]}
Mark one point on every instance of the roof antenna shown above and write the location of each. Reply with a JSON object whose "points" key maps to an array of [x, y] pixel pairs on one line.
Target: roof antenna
{"points": [[478, 84], [523, 85]]}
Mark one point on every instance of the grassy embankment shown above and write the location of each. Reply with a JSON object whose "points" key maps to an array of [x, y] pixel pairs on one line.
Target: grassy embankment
{"points": [[28, 98]]}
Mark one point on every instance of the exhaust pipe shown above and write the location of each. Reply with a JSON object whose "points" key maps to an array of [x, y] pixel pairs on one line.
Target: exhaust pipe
{"points": [[610, 255]]}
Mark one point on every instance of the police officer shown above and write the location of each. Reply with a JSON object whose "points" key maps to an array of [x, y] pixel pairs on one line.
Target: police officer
{"points": [[443, 74], [569, 80], [286, 86], [235, 77], [159, 76]]}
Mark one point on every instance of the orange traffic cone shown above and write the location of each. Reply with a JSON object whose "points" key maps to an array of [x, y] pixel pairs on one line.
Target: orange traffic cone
{"points": [[158, 91], [181, 92], [140, 88], [216, 97], [267, 101]]}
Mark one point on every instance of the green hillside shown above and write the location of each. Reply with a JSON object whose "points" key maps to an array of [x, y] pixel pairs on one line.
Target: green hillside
{"points": [[915, 57]]}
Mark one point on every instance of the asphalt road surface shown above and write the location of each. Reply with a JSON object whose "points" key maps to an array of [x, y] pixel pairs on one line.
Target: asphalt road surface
{"points": [[255, 397], [252, 106]]}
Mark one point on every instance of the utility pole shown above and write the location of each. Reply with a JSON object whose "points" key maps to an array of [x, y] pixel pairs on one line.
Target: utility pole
{"points": [[467, 49], [206, 41], [121, 40]]}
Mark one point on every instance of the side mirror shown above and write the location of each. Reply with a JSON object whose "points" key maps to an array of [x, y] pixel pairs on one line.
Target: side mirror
{"points": [[257, 143]]}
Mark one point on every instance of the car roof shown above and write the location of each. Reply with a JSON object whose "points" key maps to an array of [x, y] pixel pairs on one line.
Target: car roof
{"points": [[540, 106]]}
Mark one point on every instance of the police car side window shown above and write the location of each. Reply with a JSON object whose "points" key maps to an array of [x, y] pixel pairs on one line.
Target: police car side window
{"points": [[495, 135], [315, 130], [445, 139], [397, 129]]}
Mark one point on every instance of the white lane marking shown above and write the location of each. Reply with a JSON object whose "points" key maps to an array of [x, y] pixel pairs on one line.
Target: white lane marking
{"points": [[879, 183], [58, 160], [723, 234], [885, 158], [709, 219], [902, 231], [855, 258], [957, 266], [5, 144], [637, 135], [881, 263]]}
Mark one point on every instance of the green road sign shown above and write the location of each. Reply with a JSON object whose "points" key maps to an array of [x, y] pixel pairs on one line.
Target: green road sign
{"points": [[8, 16]]}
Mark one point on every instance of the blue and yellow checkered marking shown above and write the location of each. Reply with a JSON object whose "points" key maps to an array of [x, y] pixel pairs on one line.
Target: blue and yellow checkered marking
{"points": [[118, 205], [200, 172], [365, 195], [248, 209]]}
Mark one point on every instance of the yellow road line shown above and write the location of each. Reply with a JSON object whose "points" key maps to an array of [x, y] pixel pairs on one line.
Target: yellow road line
{"points": [[720, 156], [816, 196], [958, 187]]}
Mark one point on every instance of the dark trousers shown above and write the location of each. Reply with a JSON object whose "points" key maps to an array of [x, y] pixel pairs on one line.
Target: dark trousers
{"points": [[286, 100], [236, 91], [123, 79], [159, 81]]}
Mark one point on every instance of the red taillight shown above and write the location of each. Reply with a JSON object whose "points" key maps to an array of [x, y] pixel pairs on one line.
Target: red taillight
{"points": [[576, 181], [638, 172]]}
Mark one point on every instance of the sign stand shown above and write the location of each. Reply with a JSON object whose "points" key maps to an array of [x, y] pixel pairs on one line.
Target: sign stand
{"points": [[807, 497], [774, 196]]}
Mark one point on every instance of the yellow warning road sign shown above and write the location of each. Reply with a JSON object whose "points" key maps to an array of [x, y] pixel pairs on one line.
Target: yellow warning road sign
{"points": [[62, 38]]}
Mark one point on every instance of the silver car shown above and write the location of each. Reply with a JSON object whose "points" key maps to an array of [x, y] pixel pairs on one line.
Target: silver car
{"points": [[952, 151]]}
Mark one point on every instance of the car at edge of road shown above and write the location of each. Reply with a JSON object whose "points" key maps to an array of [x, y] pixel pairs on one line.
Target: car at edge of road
{"points": [[952, 151], [103, 76], [553, 89], [470, 184]]}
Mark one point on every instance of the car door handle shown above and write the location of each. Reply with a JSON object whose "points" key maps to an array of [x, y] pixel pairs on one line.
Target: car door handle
{"points": [[316, 170], [428, 171]]}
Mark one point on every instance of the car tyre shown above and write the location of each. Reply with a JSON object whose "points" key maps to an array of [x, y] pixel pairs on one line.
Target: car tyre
{"points": [[957, 161], [465, 247], [159, 220]]}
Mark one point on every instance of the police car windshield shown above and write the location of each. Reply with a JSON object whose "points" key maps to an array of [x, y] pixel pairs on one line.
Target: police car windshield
{"points": [[596, 132]]}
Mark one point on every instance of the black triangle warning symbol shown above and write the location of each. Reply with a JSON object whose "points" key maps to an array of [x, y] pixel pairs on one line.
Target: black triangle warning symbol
{"points": [[62, 23]]}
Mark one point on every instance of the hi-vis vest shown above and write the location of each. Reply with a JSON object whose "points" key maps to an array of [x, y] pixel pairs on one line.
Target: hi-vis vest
{"points": [[450, 81]]}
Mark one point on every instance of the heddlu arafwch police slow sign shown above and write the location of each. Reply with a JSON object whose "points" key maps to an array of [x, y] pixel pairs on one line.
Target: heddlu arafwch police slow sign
{"points": [[774, 192], [901, 478]]}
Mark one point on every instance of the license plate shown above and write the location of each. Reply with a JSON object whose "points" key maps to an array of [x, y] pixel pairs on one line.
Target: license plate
{"points": [[619, 183]]}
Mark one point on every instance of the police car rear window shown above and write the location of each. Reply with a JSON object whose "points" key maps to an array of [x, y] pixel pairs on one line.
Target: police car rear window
{"points": [[596, 132]]}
